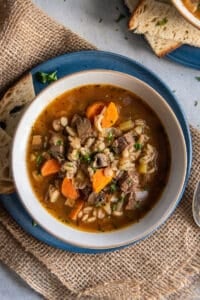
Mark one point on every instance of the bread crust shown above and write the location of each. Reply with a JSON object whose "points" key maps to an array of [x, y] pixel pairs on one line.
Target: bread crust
{"points": [[18, 96], [164, 21], [160, 46]]}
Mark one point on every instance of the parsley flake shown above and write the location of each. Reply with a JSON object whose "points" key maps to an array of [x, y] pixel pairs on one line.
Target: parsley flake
{"points": [[39, 160], [138, 146], [59, 143], [34, 224], [162, 22], [110, 137], [46, 77], [113, 187], [86, 158]]}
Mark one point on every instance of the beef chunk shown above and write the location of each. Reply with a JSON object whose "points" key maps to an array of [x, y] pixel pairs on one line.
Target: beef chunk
{"points": [[97, 199], [116, 132], [57, 155], [129, 182], [57, 147], [100, 161], [122, 142], [82, 126], [119, 145], [86, 192], [131, 201], [37, 142]]}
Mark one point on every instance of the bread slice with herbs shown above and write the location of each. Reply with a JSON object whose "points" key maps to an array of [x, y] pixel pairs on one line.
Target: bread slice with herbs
{"points": [[160, 46], [159, 19]]}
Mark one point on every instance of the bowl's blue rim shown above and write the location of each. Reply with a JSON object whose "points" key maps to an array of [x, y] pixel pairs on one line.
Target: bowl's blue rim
{"points": [[187, 135]]}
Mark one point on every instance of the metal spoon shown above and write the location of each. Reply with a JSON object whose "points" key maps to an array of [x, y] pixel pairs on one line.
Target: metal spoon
{"points": [[196, 205]]}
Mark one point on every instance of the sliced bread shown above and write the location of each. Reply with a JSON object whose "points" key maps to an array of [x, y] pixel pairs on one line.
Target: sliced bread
{"points": [[6, 182], [161, 20], [160, 46], [13, 103]]}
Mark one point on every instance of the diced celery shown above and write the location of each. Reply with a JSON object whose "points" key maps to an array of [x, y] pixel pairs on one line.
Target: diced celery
{"points": [[142, 169], [127, 125]]}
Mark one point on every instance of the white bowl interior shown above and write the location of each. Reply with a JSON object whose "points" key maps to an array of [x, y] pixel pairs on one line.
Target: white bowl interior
{"points": [[170, 196], [186, 13]]}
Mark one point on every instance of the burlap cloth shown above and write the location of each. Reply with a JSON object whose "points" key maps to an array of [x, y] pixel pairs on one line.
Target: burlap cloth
{"points": [[160, 266]]}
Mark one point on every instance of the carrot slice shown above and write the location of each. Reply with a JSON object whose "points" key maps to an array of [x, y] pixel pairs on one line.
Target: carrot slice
{"points": [[99, 180], [94, 109], [75, 211], [68, 190], [111, 116], [50, 167]]}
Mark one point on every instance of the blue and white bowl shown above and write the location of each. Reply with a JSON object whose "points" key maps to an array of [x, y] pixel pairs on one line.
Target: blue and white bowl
{"points": [[170, 196]]}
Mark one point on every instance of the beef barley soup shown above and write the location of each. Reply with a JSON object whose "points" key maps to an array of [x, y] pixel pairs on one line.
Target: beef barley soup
{"points": [[98, 158], [193, 6]]}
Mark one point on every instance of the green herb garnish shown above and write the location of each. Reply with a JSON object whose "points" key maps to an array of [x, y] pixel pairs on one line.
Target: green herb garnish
{"points": [[162, 22], [113, 187], [138, 146], [46, 77], [59, 143], [195, 103], [110, 137], [39, 160], [197, 78], [86, 158], [120, 17], [34, 223]]}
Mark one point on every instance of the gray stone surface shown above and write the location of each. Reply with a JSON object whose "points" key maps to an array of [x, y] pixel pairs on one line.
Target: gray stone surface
{"points": [[95, 20]]}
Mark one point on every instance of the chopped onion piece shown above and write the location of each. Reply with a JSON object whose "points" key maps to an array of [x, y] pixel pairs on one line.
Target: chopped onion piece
{"points": [[141, 195]]}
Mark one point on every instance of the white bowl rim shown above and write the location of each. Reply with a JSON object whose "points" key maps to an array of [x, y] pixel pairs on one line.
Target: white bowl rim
{"points": [[147, 232], [186, 13]]}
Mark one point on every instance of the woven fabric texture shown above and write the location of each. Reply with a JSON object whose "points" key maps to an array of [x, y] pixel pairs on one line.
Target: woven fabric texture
{"points": [[160, 266]]}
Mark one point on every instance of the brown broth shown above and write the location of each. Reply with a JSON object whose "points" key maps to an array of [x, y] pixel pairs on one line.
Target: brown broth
{"points": [[188, 4], [131, 106]]}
